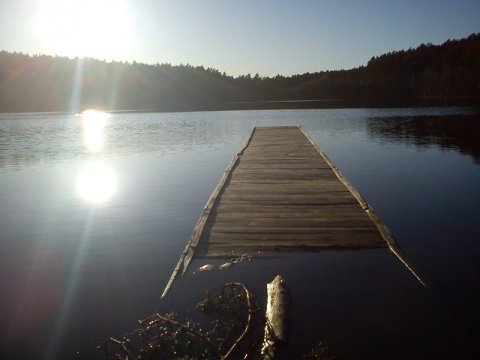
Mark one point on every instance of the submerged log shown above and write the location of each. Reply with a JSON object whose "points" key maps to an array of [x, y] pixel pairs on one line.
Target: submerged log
{"points": [[278, 318]]}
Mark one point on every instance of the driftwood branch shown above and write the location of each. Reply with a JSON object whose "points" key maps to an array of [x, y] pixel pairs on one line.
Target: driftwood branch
{"points": [[236, 331], [278, 317]]}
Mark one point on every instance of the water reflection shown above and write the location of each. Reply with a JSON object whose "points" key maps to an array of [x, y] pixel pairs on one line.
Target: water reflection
{"points": [[452, 132], [30, 139], [96, 183], [63, 264], [93, 124]]}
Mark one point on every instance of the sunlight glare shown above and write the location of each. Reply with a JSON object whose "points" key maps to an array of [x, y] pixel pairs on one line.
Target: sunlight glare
{"points": [[93, 124], [84, 28], [97, 183]]}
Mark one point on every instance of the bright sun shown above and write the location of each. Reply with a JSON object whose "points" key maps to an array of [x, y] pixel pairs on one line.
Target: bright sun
{"points": [[84, 28]]}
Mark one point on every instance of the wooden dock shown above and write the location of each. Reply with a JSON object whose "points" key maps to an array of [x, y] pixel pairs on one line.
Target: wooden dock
{"points": [[282, 193]]}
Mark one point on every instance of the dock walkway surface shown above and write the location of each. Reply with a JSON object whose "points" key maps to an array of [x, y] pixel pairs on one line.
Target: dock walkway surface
{"points": [[282, 193]]}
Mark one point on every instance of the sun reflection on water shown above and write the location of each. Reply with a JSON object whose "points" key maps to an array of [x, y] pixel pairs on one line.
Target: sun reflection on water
{"points": [[97, 182], [93, 125]]}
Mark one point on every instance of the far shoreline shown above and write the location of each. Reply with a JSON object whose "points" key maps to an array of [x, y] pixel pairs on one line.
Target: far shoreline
{"points": [[292, 104]]}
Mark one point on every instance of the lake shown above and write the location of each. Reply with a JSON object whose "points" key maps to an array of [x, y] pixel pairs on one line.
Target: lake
{"points": [[95, 212]]}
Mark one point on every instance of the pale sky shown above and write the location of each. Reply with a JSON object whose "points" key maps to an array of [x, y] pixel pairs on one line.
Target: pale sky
{"points": [[236, 37]]}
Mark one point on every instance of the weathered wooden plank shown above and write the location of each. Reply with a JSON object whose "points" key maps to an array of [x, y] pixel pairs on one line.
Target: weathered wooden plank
{"points": [[313, 222], [244, 216], [288, 242], [309, 202], [280, 229], [228, 211], [263, 190], [290, 208]]}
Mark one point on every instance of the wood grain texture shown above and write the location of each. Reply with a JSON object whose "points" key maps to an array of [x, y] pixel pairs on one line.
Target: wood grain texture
{"points": [[282, 193]]}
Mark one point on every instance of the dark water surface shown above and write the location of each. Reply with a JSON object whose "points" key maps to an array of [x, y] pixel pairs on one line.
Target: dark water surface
{"points": [[95, 214]]}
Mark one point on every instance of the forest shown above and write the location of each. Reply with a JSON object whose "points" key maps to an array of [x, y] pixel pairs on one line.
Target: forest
{"points": [[446, 73]]}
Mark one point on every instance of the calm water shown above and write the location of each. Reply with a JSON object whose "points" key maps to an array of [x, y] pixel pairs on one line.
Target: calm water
{"points": [[95, 213]]}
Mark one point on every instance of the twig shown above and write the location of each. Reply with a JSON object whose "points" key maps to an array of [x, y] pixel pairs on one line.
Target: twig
{"points": [[122, 345], [187, 329], [249, 319]]}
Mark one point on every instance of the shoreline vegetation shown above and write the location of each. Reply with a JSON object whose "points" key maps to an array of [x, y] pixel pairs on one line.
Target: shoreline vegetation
{"points": [[429, 75]]}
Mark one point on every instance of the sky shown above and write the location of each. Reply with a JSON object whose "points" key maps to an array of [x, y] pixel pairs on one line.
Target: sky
{"points": [[237, 37]]}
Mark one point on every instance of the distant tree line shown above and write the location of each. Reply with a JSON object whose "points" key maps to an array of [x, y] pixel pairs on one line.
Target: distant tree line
{"points": [[45, 83]]}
